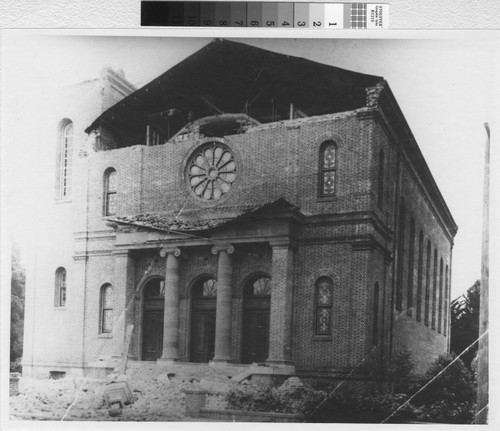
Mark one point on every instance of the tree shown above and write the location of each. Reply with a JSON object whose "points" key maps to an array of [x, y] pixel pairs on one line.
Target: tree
{"points": [[465, 324], [18, 279]]}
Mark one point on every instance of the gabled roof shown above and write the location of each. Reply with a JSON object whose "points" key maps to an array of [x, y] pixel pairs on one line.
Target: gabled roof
{"points": [[200, 219], [231, 77]]}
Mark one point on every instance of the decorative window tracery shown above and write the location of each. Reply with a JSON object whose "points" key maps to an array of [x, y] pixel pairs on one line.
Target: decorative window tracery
{"points": [[260, 287], [206, 288], [324, 303], [106, 314], [110, 192], [65, 162], [328, 169], [211, 171], [60, 288]]}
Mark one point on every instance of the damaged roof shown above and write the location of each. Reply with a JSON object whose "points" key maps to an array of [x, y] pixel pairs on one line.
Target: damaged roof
{"points": [[232, 77], [200, 219]]}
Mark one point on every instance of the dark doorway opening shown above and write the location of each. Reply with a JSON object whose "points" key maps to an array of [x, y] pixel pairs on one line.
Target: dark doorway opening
{"points": [[152, 323], [204, 303], [256, 314]]}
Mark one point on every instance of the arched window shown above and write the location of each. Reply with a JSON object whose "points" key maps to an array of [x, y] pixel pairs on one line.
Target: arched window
{"points": [[440, 301], [110, 192], [427, 282], [381, 167], [106, 306], [65, 160], [60, 288], [375, 314], [434, 291], [324, 303], [420, 275], [411, 251], [445, 320], [328, 169], [400, 261]]}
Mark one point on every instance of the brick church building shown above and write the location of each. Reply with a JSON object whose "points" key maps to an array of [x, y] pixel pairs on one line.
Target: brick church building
{"points": [[244, 207]]}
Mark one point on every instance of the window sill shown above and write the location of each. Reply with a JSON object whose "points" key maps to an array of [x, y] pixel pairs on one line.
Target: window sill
{"points": [[322, 338], [327, 199], [105, 336], [63, 201], [60, 308]]}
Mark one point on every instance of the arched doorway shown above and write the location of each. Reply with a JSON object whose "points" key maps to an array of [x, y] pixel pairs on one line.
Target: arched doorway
{"points": [[256, 312], [204, 301], [152, 320]]}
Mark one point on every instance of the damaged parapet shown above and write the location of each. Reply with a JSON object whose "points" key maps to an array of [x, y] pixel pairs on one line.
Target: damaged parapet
{"points": [[215, 126], [373, 95]]}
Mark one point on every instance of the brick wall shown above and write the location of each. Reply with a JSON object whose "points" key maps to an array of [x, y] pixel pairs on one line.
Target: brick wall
{"points": [[349, 238]]}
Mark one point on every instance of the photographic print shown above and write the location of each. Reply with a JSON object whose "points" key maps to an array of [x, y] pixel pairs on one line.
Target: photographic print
{"points": [[254, 230]]}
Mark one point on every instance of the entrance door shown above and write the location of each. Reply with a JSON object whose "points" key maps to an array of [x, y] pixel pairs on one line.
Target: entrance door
{"points": [[152, 323], [203, 320], [256, 314]]}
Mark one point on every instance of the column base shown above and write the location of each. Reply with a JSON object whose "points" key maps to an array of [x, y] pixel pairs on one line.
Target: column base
{"points": [[167, 361], [281, 367], [221, 360]]}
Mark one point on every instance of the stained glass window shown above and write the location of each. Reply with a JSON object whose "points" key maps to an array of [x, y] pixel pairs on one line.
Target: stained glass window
{"points": [[211, 171], [60, 288], [324, 302], [106, 309], [110, 192], [328, 169]]}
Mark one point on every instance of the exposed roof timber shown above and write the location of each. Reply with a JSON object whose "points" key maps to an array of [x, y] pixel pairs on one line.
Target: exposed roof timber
{"points": [[231, 73], [207, 101]]}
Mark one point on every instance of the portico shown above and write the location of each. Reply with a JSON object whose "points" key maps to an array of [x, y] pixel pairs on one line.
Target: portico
{"points": [[259, 249]]}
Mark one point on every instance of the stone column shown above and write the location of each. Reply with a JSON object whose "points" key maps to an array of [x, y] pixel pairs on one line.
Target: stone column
{"points": [[122, 281], [224, 302], [280, 337], [171, 310]]}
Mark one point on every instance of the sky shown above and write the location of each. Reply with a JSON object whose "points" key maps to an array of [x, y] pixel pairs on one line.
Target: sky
{"points": [[445, 86]]}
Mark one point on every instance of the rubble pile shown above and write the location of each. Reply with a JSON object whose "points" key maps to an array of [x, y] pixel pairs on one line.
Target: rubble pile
{"points": [[158, 395]]}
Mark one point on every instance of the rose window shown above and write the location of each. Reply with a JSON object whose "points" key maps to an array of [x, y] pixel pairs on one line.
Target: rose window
{"points": [[211, 171]]}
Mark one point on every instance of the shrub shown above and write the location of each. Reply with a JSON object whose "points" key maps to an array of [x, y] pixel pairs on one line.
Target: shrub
{"points": [[399, 372], [363, 407], [277, 400], [450, 392]]}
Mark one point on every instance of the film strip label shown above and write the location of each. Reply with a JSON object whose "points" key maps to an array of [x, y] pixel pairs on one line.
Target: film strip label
{"points": [[265, 14]]}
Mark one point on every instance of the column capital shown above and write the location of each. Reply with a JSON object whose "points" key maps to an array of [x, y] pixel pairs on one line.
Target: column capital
{"points": [[284, 244], [121, 253], [176, 251], [80, 258], [228, 248]]}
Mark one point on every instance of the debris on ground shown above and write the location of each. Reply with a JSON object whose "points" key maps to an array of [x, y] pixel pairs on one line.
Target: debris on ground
{"points": [[156, 394]]}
